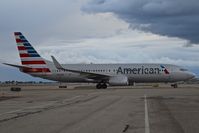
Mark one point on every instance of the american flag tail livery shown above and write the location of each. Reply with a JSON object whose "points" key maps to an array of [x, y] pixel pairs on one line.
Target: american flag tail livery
{"points": [[29, 56]]}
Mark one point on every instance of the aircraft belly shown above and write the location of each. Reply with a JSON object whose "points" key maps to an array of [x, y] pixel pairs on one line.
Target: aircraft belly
{"points": [[65, 78], [149, 78]]}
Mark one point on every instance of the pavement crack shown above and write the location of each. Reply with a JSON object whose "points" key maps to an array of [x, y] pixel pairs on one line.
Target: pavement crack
{"points": [[30, 111], [21, 114], [125, 128]]}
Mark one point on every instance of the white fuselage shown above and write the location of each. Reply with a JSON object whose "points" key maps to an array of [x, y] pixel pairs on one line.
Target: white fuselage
{"points": [[133, 72]]}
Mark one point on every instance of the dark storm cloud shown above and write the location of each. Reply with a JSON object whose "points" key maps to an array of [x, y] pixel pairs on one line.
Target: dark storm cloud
{"points": [[173, 18]]}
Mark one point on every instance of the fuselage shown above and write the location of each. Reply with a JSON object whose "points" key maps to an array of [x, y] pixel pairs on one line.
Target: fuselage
{"points": [[134, 72]]}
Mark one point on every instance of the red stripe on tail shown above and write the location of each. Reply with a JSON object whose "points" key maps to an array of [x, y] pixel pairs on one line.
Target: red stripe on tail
{"points": [[21, 48], [36, 70], [19, 41], [24, 55]]}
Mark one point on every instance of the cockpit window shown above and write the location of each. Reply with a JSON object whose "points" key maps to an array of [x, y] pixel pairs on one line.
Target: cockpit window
{"points": [[182, 69]]}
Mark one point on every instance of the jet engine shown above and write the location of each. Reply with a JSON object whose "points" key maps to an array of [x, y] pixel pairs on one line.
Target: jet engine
{"points": [[118, 81]]}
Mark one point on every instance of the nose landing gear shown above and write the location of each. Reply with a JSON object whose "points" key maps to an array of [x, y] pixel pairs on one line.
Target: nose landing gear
{"points": [[101, 86]]}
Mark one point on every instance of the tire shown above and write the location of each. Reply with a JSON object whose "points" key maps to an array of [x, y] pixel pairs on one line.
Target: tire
{"points": [[98, 86], [175, 86], [104, 86]]}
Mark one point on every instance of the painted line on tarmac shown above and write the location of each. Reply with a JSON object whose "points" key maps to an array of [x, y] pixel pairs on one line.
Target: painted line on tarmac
{"points": [[147, 128]]}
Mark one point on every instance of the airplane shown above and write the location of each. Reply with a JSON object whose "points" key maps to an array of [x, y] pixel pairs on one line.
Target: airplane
{"points": [[101, 74]]}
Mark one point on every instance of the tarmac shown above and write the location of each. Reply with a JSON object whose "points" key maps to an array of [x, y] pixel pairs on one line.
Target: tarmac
{"points": [[138, 109]]}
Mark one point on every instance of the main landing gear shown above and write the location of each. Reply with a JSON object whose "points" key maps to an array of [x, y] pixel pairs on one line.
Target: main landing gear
{"points": [[101, 86], [174, 85]]}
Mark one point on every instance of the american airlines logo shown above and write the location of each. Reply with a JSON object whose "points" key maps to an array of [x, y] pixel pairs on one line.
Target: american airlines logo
{"points": [[164, 69], [142, 70]]}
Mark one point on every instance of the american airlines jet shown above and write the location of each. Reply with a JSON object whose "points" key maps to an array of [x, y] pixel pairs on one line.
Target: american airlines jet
{"points": [[101, 74]]}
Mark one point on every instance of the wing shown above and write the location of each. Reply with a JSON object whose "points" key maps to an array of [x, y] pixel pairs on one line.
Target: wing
{"points": [[88, 75]]}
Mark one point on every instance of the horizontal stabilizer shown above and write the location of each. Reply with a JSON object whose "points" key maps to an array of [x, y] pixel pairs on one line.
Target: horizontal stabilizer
{"points": [[17, 66]]}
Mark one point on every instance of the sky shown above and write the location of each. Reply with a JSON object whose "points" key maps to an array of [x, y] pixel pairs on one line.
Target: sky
{"points": [[101, 31]]}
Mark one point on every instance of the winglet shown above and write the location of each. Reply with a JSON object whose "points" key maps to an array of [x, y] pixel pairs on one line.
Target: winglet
{"points": [[56, 63]]}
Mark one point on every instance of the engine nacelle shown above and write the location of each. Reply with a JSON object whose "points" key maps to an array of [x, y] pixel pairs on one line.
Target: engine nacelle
{"points": [[119, 81]]}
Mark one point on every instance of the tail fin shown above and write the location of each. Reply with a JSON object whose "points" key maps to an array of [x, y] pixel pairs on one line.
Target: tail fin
{"points": [[29, 56]]}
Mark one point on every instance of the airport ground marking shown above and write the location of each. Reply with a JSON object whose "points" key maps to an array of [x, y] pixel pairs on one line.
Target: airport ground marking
{"points": [[147, 128]]}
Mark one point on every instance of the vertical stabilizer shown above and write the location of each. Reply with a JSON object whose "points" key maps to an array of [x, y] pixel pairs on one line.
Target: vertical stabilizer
{"points": [[29, 56]]}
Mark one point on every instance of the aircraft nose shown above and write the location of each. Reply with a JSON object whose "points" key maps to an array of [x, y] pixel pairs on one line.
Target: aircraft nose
{"points": [[190, 75]]}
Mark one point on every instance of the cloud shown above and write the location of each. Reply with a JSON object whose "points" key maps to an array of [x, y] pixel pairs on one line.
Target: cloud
{"points": [[173, 18], [44, 21], [127, 47]]}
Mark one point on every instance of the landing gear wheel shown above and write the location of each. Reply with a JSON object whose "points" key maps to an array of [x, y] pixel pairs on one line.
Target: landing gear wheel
{"points": [[98, 86], [101, 86], [174, 85], [104, 86]]}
